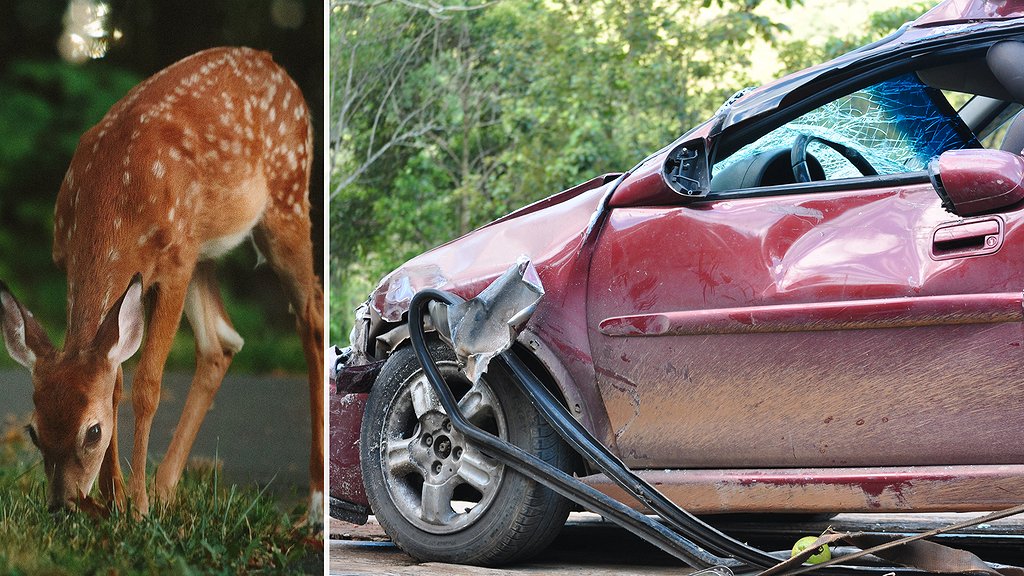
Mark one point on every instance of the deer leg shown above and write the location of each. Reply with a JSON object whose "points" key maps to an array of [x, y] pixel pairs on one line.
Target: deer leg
{"points": [[216, 344], [169, 299], [285, 241], [111, 481]]}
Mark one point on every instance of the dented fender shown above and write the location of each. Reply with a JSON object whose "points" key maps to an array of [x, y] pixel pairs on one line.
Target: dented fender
{"points": [[553, 234]]}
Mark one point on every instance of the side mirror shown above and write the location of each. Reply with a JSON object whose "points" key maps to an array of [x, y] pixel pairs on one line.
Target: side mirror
{"points": [[686, 169], [683, 171], [973, 182]]}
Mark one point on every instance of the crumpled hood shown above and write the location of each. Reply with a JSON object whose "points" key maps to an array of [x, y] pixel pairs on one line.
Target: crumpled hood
{"points": [[549, 232]]}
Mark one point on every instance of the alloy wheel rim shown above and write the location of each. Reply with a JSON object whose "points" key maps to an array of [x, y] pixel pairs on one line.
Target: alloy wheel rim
{"points": [[438, 481]]}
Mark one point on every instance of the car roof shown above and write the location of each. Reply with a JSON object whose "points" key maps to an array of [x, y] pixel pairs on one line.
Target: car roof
{"points": [[947, 23], [957, 11]]}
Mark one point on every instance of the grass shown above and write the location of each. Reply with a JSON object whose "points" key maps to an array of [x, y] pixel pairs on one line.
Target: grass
{"points": [[209, 529]]}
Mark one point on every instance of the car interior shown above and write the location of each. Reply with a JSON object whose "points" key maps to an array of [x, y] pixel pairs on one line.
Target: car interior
{"points": [[989, 89]]}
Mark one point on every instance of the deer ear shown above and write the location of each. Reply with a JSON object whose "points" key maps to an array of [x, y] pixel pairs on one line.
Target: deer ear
{"points": [[121, 329], [24, 338]]}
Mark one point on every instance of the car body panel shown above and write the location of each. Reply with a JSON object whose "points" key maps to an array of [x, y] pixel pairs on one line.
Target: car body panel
{"points": [[809, 393], [346, 478], [825, 490], [551, 238]]}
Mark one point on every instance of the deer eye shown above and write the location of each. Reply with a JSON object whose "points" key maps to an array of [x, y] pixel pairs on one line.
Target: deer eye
{"points": [[32, 435], [92, 435]]}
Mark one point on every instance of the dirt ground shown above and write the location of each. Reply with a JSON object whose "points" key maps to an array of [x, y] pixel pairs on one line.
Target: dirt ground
{"points": [[590, 545], [587, 545]]}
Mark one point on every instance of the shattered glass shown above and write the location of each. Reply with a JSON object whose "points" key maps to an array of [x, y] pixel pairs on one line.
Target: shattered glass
{"points": [[897, 125]]}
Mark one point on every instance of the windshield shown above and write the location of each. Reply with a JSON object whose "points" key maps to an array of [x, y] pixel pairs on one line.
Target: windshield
{"points": [[898, 125]]}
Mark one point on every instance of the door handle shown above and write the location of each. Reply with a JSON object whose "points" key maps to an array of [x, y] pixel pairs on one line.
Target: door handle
{"points": [[962, 239]]}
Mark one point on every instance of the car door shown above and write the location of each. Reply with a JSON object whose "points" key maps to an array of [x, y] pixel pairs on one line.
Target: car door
{"points": [[848, 322]]}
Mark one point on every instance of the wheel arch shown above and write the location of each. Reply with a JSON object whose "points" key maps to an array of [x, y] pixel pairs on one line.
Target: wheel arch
{"points": [[530, 348], [533, 351], [545, 367]]}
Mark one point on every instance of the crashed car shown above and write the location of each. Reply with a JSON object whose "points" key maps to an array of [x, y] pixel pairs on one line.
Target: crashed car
{"points": [[810, 303]]}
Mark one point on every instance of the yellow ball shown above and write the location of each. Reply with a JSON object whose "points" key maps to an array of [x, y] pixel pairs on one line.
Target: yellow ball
{"points": [[823, 554]]}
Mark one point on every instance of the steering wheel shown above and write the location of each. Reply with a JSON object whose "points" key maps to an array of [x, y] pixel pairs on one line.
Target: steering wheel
{"points": [[798, 157]]}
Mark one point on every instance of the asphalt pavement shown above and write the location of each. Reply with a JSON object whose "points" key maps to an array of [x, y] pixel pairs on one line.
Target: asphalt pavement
{"points": [[257, 429]]}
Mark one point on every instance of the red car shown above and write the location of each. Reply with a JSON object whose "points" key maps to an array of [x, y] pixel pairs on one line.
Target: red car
{"points": [[810, 303]]}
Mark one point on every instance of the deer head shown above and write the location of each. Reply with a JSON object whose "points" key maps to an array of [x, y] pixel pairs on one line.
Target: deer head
{"points": [[73, 389]]}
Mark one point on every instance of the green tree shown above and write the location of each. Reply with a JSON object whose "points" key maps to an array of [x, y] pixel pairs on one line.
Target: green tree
{"points": [[798, 54], [445, 118]]}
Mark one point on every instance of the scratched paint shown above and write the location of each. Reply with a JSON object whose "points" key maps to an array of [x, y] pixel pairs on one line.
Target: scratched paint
{"points": [[921, 489], [807, 392], [345, 476]]}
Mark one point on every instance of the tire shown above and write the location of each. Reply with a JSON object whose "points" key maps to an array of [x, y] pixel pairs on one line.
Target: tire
{"points": [[501, 516]]}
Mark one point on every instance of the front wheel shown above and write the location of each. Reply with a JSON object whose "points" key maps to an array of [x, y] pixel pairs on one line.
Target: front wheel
{"points": [[439, 496]]}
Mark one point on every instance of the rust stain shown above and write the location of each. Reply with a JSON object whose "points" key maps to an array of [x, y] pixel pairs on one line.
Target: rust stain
{"points": [[630, 388], [887, 313], [959, 488]]}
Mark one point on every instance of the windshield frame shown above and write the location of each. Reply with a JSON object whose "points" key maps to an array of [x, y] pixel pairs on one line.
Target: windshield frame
{"points": [[880, 122]]}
